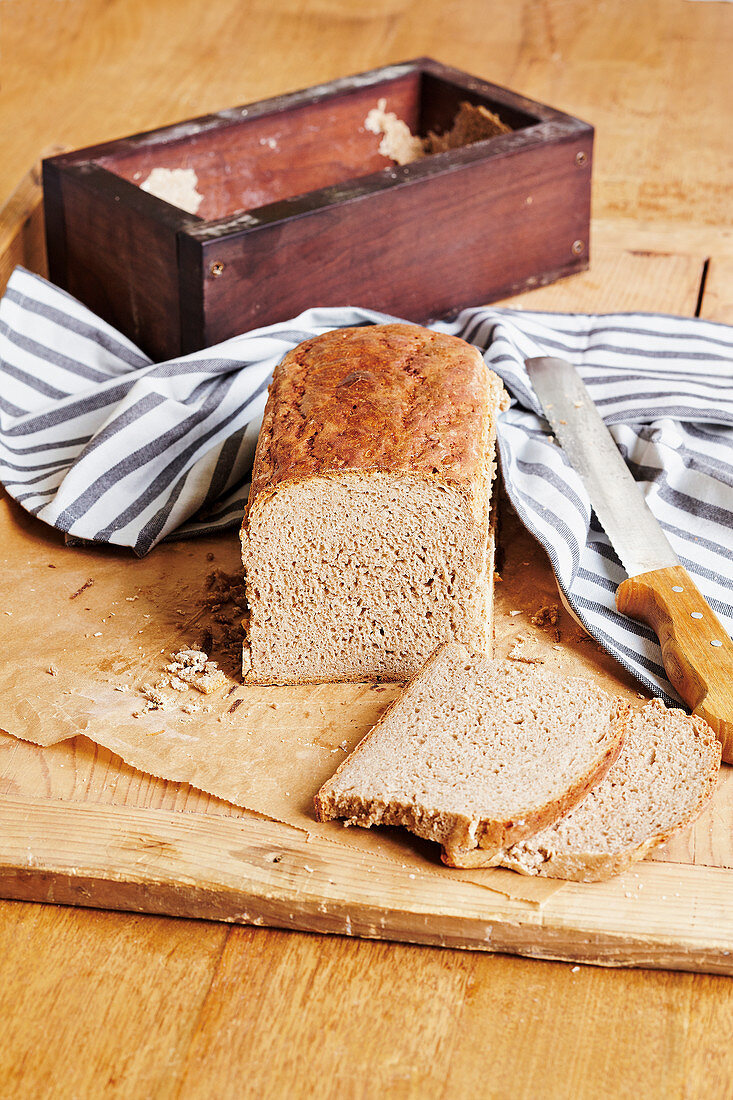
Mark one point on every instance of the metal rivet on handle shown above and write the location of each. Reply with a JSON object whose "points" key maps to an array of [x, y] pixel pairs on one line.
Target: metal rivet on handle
{"points": [[696, 614], [578, 248], [677, 588], [715, 642]]}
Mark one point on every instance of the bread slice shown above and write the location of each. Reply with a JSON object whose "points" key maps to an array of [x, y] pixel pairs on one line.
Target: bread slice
{"points": [[367, 538], [478, 754], [662, 780]]}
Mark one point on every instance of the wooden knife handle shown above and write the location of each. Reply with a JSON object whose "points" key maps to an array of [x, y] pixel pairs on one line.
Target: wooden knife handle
{"points": [[696, 650]]}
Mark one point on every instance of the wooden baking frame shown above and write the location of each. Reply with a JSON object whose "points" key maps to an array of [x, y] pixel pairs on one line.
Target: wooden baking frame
{"points": [[301, 210]]}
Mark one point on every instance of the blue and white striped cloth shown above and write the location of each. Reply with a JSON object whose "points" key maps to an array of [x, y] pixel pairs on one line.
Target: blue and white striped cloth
{"points": [[105, 445]]}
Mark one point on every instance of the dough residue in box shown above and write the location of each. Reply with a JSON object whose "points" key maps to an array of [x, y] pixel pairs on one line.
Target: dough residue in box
{"points": [[177, 186], [473, 122], [398, 143]]}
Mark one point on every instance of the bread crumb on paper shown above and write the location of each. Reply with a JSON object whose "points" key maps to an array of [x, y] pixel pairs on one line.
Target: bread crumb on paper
{"points": [[87, 584], [546, 615], [189, 667]]}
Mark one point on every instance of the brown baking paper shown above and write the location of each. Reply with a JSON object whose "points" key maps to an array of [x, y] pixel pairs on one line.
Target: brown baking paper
{"points": [[83, 629]]}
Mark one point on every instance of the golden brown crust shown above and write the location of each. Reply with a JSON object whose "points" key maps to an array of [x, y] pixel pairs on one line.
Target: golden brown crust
{"points": [[394, 398]]}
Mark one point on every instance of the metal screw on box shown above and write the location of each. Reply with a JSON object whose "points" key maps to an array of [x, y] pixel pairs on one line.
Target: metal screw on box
{"points": [[578, 248], [216, 270], [581, 159]]}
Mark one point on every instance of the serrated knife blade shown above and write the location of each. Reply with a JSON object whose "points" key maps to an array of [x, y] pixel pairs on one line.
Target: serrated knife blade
{"points": [[696, 650], [617, 500]]}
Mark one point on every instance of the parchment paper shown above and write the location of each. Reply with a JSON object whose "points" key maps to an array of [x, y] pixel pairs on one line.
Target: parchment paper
{"points": [[83, 629]]}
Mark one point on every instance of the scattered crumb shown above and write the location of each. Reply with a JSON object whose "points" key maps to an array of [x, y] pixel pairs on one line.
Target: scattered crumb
{"points": [[154, 696], [235, 704], [546, 615], [52, 670], [87, 584], [513, 613], [211, 681], [122, 687], [188, 668], [131, 598], [209, 556], [516, 652], [97, 634], [497, 578], [574, 969]]}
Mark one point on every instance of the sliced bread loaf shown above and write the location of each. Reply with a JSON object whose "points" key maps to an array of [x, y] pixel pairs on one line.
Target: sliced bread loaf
{"points": [[662, 780], [478, 754], [367, 538]]}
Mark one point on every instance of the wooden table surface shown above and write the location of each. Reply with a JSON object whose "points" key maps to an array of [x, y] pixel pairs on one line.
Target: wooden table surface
{"points": [[111, 1004]]}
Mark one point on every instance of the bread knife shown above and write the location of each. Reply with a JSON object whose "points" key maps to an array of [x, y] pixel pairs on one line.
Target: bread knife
{"points": [[697, 652]]}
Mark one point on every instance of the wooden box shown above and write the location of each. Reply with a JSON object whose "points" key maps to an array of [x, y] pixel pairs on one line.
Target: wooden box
{"points": [[300, 209]]}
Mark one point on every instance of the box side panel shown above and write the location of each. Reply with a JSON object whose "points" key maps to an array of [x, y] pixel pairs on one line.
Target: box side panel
{"points": [[267, 157], [421, 250], [115, 258]]}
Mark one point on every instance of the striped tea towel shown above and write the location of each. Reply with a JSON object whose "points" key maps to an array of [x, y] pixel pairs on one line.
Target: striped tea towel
{"points": [[103, 444]]}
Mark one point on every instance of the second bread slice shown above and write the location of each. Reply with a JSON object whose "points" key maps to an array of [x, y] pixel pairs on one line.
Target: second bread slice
{"points": [[662, 781], [477, 755]]}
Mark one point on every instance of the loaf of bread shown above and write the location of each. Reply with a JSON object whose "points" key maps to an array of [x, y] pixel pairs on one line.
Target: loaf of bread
{"points": [[476, 752], [367, 538], [663, 779]]}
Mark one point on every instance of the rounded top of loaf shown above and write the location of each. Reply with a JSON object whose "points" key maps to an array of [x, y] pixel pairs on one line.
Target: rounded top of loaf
{"points": [[394, 398]]}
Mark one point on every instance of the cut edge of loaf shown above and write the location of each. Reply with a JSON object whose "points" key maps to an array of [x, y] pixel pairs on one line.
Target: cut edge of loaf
{"points": [[251, 676], [466, 842], [598, 866]]}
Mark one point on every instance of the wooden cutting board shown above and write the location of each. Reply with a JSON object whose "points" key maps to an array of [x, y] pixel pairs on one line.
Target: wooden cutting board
{"points": [[80, 827]]}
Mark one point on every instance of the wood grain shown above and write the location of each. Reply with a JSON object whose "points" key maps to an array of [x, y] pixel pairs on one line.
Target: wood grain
{"points": [[261, 873], [285, 1013], [22, 236]]}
